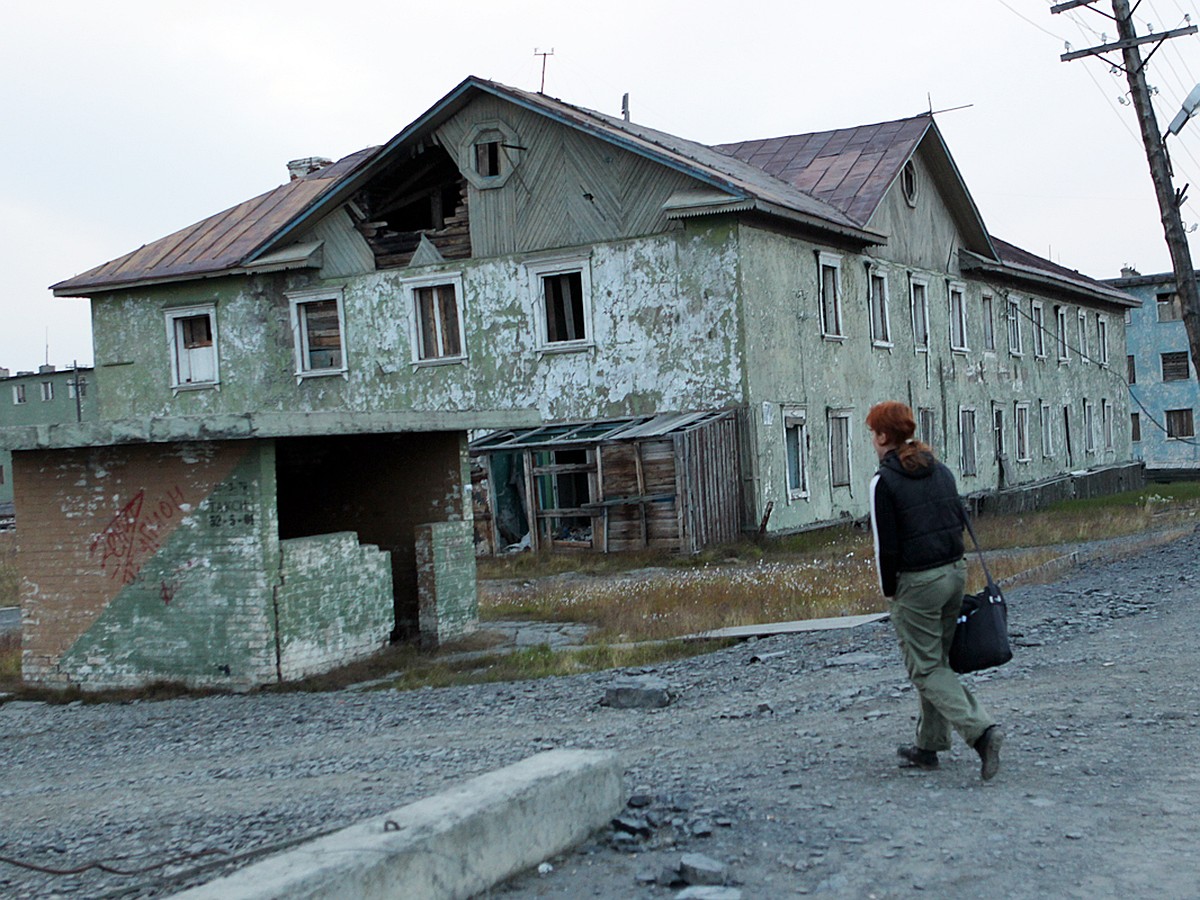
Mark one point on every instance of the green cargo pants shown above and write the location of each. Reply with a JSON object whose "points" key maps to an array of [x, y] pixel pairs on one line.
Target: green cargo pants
{"points": [[924, 612]]}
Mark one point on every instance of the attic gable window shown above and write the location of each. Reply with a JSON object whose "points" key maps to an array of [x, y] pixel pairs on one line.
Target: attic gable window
{"points": [[318, 331], [489, 153], [908, 183], [192, 343], [561, 291], [437, 316], [487, 156]]}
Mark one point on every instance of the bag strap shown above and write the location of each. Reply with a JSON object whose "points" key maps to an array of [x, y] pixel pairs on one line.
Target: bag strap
{"points": [[979, 550]]}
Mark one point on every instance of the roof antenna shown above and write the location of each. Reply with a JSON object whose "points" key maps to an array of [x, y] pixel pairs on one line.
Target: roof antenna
{"points": [[543, 54], [625, 107], [929, 100]]}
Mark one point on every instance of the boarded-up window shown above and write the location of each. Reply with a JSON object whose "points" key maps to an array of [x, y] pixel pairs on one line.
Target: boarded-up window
{"points": [[565, 319], [966, 441], [320, 335], [195, 331], [1180, 424], [439, 332], [839, 449], [1175, 366]]}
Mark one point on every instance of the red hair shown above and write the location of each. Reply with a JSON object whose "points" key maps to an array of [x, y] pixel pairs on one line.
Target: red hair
{"points": [[894, 421]]}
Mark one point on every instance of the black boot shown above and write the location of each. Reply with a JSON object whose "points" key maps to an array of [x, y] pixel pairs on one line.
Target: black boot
{"points": [[916, 758]]}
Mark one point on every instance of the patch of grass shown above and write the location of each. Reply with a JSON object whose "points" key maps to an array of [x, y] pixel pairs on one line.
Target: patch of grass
{"points": [[10, 661], [10, 583]]}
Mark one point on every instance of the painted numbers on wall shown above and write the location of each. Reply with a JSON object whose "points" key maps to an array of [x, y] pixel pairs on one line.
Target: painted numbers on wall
{"points": [[135, 534]]}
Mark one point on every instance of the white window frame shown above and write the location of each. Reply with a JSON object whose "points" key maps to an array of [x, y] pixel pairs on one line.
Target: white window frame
{"points": [[297, 303], [47, 391], [1102, 339], [1062, 344], [1021, 426], [18, 392], [412, 286], [1106, 424], [1012, 320], [987, 309], [1047, 432], [539, 270], [958, 316], [927, 425], [881, 327], [1084, 351], [1037, 312], [840, 415], [834, 262], [795, 437], [968, 454], [1089, 427], [175, 349], [918, 299]]}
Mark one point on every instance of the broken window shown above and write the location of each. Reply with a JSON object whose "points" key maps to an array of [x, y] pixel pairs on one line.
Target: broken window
{"points": [[1038, 314], [1135, 427], [47, 390], [1060, 316], [796, 440], [562, 289], [1131, 369], [1084, 353], [563, 481], [881, 330], [1101, 340], [839, 449], [1022, 423], [437, 319], [192, 337], [1106, 423], [958, 318], [1047, 432], [18, 393], [920, 314], [1180, 424], [1170, 307], [1089, 428], [830, 268], [317, 333], [1175, 366], [988, 314], [926, 426], [487, 155], [966, 441]]}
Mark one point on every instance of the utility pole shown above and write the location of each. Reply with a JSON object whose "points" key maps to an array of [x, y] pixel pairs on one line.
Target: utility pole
{"points": [[1169, 199]]}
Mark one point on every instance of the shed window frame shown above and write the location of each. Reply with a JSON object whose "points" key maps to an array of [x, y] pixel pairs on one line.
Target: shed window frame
{"points": [[877, 303], [1180, 424], [956, 298], [796, 448], [839, 426], [420, 291], [918, 292], [299, 309], [543, 274], [829, 279], [187, 343]]}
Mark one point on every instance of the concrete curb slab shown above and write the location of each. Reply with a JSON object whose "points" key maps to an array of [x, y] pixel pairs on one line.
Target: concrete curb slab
{"points": [[452, 845]]}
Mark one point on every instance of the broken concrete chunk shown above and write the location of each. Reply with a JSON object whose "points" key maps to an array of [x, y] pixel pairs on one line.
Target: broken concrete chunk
{"points": [[696, 868], [709, 892], [640, 692]]}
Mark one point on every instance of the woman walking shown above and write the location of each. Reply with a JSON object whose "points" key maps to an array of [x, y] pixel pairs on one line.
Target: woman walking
{"points": [[917, 519]]}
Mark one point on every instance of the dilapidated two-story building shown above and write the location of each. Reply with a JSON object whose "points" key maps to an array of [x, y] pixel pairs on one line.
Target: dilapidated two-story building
{"points": [[654, 342]]}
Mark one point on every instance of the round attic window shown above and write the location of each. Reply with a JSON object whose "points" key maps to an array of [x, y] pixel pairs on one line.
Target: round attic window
{"points": [[908, 183]]}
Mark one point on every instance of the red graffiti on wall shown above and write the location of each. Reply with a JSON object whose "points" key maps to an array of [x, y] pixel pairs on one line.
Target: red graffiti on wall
{"points": [[135, 534]]}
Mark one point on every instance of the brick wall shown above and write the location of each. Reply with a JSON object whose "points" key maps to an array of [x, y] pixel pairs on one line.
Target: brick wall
{"points": [[148, 562], [334, 603], [449, 602]]}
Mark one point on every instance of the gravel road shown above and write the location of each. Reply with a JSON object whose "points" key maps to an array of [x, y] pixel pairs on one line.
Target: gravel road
{"points": [[776, 759]]}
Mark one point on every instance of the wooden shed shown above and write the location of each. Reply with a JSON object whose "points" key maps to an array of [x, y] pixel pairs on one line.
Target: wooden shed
{"points": [[671, 481]]}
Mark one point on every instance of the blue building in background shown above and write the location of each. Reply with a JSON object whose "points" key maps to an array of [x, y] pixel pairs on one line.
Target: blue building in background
{"points": [[1162, 380]]}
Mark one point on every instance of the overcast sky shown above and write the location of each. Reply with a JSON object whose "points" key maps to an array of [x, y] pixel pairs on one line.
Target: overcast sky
{"points": [[126, 120]]}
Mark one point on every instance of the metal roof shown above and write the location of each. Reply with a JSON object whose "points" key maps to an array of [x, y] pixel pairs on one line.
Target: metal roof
{"points": [[1017, 263], [595, 431]]}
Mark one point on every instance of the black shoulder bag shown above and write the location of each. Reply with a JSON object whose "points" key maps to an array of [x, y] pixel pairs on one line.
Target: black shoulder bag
{"points": [[981, 637]]}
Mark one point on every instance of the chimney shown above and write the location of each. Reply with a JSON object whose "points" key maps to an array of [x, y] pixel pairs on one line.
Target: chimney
{"points": [[1128, 271], [298, 168], [46, 369], [3, 372]]}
